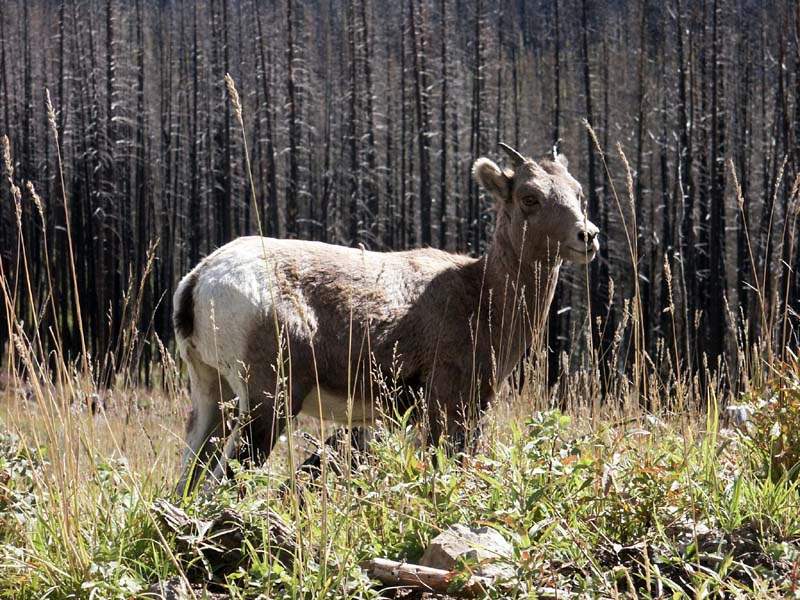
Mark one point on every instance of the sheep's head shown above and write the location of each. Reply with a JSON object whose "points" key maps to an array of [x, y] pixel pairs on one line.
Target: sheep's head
{"points": [[543, 199]]}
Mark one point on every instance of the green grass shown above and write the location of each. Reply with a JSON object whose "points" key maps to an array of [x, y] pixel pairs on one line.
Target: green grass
{"points": [[640, 506]]}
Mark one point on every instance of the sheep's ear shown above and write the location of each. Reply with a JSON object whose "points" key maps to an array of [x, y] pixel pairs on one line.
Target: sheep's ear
{"points": [[562, 160], [489, 176]]}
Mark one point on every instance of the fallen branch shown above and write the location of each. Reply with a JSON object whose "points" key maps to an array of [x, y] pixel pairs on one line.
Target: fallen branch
{"points": [[391, 572]]}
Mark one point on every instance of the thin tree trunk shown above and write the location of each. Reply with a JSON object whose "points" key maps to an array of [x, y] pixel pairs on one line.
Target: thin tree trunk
{"points": [[641, 237], [476, 139], [271, 227], [443, 129], [717, 292], [355, 178], [554, 322], [423, 124], [371, 225]]}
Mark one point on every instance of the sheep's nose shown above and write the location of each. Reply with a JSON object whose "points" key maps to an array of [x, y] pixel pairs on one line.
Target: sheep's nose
{"points": [[586, 236]]}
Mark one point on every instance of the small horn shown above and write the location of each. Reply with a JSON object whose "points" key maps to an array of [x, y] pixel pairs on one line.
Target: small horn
{"points": [[516, 158]]}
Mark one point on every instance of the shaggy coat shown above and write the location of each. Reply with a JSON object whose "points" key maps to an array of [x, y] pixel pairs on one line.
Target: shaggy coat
{"points": [[292, 326]]}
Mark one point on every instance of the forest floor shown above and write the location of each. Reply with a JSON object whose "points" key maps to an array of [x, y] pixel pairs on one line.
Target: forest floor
{"points": [[600, 503]]}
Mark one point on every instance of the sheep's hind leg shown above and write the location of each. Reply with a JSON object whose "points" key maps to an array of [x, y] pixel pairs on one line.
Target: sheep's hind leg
{"points": [[208, 392], [358, 439], [261, 420]]}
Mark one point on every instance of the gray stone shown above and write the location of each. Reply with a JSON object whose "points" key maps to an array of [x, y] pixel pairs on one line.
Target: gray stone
{"points": [[176, 588], [483, 547]]}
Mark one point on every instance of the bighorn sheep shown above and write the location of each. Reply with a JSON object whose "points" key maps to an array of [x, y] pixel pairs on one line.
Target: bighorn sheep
{"points": [[294, 326]]}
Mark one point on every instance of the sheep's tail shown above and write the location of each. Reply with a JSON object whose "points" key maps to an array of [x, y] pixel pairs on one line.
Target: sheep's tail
{"points": [[183, 315]]}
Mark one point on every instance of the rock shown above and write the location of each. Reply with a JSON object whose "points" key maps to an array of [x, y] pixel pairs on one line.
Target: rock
{"points": [[176, 588], [482, 547]]}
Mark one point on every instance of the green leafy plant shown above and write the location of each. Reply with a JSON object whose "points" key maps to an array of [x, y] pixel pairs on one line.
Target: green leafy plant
{"points": [[772, 431]]}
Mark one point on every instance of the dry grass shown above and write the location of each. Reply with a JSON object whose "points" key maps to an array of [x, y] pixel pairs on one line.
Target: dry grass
{"points": [[144, 426]]}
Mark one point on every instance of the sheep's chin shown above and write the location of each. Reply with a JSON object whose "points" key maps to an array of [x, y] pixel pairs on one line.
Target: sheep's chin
{"points": [[578, 256]]}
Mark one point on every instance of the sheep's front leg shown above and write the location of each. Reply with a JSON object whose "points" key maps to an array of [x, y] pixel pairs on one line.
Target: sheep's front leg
{"points": [[448, 426], [446, 410], [455, 405]]}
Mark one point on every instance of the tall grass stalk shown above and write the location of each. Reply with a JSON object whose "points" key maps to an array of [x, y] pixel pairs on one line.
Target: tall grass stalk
{"points": [[51, 118]]}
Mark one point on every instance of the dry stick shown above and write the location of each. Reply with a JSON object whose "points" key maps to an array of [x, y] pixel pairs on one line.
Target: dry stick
{"points": [[391, 572]]}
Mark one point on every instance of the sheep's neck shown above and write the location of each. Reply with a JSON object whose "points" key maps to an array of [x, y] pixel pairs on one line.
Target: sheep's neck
{"points": [[521, 293]]}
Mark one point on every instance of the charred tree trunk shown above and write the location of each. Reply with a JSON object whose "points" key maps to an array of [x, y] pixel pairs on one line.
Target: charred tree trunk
{"points": [[475, 217], [597, 297], [717, 288], [443, 128], [688, 263], [292, 182], [270, 215], [642, 271], [353, 137], [553, 323], [423, 123], [372, 208]]}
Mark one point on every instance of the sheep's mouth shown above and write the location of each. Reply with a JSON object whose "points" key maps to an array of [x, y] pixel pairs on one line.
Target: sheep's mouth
{"points": [[581, 255]]}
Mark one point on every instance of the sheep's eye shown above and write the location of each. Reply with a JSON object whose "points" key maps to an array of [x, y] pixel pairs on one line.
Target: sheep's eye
{"points": [[530, 201]]}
